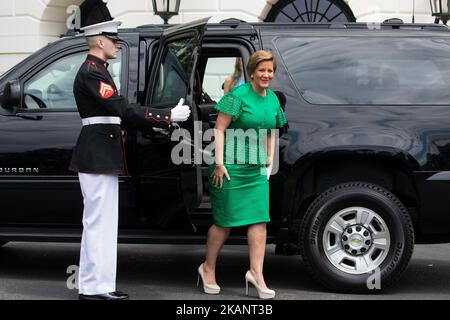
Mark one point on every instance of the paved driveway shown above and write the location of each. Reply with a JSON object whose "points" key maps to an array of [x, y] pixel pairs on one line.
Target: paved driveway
{"points": [[38, 271]]}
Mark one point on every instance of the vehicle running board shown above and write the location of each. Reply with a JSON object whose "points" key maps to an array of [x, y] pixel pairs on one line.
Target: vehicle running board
{"points": [[125, 236]]}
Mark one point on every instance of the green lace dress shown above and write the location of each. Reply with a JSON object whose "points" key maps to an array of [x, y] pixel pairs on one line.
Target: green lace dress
{"points": [[244, 200]]}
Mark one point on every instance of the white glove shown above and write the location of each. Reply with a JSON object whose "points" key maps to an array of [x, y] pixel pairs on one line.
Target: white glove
{"points": [[180, 112]]}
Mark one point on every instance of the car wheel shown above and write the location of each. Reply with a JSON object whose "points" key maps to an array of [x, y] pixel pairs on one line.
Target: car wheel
{"points": [[356, 237]]}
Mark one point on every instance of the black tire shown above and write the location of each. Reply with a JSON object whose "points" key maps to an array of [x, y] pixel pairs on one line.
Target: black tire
{"points": [[395, 257]]}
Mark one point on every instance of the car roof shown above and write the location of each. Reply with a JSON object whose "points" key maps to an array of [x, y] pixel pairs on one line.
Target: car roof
{"points": [[232, 26], [395, 26]]}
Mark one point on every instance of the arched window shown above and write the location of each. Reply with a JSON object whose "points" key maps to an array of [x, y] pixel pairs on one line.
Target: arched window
{"points": [[94, 11], [310, 11]]}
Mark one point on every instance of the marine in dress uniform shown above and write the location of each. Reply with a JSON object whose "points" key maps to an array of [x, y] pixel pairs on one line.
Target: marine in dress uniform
{"points": [[99, 158]]}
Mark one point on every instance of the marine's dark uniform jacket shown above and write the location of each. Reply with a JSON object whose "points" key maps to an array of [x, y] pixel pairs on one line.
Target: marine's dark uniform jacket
{"points": [[99, 148]]}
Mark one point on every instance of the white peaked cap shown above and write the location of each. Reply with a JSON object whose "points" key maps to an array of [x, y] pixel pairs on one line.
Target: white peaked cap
{"points": [[107, 28]]}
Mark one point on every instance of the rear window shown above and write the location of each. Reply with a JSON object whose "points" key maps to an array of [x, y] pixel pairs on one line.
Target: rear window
{"points": [[363, 70]]}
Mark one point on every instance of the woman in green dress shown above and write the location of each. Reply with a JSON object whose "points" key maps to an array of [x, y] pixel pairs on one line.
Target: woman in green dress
{"points": [[239, 187]]}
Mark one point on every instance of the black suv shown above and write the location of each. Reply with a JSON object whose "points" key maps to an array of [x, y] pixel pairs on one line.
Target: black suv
{"points": [[364, 167]]}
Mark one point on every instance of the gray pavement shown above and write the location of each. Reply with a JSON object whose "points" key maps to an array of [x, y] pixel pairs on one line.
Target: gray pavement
{"points": [[35, 271]]}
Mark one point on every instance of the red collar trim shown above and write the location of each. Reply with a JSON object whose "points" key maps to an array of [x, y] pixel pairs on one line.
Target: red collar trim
{"points": [[98, 60]]}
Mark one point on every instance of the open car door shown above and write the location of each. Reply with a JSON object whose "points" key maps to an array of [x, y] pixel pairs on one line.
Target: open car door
{"points": [[172, 77]]}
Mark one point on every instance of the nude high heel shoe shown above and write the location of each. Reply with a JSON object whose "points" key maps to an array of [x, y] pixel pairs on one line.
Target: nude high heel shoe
{"points": [[263, 293], [207, 288]]}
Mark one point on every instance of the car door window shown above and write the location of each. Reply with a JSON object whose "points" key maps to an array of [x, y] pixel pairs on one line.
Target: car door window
{"points": [[218, 71], [173, 74], [369, 71], [52, 87]]}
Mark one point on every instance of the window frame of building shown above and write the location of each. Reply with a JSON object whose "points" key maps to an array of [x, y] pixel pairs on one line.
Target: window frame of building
{"points": [[277, 9]]}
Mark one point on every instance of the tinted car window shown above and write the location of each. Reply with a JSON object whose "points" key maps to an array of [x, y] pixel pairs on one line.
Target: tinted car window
{"points": [[52, 87], [375, 70], [173, 73]]}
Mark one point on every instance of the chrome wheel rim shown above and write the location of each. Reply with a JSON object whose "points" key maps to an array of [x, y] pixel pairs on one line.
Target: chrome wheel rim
{"points": [[356, 240]]}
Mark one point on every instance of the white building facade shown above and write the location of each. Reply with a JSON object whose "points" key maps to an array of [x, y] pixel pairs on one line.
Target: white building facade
{"points": [[27, 25]]}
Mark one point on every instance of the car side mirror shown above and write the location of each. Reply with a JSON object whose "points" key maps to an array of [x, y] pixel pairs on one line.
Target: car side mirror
{"points": [[11, 94]]}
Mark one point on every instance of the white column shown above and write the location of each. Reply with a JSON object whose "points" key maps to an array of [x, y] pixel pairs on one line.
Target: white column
{"points": [[380, 10]]}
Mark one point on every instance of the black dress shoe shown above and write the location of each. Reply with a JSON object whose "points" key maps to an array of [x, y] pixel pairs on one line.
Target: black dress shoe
{"points": [[116, 295]]}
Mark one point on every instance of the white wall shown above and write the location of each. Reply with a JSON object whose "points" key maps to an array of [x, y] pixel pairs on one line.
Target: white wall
{"points": [[140, 12], [27, 25]]}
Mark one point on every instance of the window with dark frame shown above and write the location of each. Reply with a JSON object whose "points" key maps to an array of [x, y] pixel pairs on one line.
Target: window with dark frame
{"points": [[303, 11]]}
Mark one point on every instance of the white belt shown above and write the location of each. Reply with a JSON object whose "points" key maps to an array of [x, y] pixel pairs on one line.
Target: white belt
{"points": [[100, 120]]}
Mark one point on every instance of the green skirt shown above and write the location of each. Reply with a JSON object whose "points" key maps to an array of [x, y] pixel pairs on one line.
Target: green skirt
{"points": [[244, 199]]}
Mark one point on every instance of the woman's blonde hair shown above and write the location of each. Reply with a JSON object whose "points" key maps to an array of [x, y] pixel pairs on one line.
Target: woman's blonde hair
{"points": [[237, 72], [258, 57]]}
